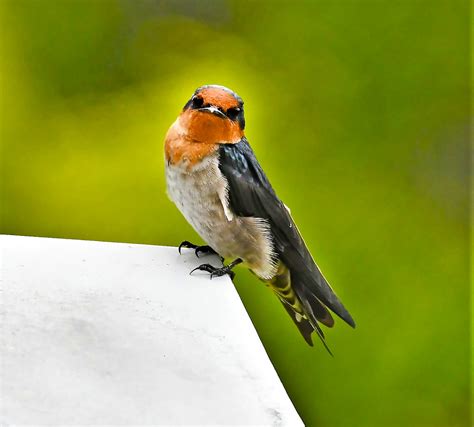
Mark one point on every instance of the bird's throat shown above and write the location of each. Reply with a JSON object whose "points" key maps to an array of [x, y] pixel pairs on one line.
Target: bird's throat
{"points": [[196, 134]]}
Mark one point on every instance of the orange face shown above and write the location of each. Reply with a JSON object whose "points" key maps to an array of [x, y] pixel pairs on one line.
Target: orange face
{"points": [[208, 128], [214, 115]]}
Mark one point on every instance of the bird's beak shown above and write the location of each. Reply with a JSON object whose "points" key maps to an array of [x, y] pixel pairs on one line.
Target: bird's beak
{"points": [[213, 110]]}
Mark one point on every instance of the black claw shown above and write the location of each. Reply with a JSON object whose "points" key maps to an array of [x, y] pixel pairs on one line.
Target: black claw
{"points": [[203, 267], [204, 250], [222, 272], [187, 245], [215, 271]]}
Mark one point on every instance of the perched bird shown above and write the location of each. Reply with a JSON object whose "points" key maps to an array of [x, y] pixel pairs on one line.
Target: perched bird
{"points": [[216, 182]]}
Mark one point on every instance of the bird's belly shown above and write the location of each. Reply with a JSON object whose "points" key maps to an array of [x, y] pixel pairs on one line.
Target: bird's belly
{"points": [[198, 195]]}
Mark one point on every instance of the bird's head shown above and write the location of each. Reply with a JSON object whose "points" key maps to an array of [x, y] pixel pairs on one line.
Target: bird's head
{"points": [[214, 114]]}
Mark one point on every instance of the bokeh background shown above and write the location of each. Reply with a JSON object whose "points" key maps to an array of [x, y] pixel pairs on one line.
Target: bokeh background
{"points": [[357, 110]]}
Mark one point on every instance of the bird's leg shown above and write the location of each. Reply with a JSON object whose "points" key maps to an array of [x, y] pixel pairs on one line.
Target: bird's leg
{"points": [[197, 249], [219, 271]]}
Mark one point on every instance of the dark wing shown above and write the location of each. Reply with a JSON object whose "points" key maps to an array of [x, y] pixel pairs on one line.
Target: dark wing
{"points": [[251, 194]]}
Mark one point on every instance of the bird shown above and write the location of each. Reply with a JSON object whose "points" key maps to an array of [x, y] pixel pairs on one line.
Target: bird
{"points": [[216, 181]]}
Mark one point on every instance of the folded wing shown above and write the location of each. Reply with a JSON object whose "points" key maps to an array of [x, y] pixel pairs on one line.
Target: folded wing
{"points": [[251, 195]]}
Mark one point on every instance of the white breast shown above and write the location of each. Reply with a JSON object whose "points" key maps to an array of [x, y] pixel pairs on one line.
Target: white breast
{"points": [[201, 194]]}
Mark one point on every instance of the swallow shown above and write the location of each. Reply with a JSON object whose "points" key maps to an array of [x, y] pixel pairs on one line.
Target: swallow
{"points": [[217, 183]]}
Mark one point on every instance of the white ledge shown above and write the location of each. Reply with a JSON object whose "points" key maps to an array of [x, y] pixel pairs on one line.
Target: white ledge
{"points": [[109, 333]]}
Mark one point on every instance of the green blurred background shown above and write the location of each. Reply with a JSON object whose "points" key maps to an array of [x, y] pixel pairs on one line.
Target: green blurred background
{"points": [[357, 110]]}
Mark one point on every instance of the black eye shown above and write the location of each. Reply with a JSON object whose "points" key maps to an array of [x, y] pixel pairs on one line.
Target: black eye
{"points": [[232, 113], [198, 102]]}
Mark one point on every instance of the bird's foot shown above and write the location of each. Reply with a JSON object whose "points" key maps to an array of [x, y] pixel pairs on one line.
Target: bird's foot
{"points": [[218, 271], [197, 249]]}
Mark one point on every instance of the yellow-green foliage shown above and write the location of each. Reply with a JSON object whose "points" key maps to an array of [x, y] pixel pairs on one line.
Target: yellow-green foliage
{"points": [[357, 110]]}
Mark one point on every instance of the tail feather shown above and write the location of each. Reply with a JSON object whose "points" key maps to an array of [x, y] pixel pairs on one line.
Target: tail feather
{"points": [[320, 334], [305, 312], [320, 312], [304, 326], [309, 280]]}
